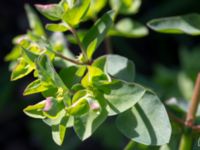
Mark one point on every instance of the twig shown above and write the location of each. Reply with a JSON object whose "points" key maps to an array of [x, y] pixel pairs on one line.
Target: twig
{"points": [[68, 59], [190, 118], [108, 45]]}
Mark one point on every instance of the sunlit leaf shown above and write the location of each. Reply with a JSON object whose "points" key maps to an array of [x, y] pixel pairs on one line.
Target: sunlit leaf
{"points": [[56, 27], [75, 15], [187, 24], [128, 28], [53, 12], [117, 66], [126, 6], [97, 33], [35, 111], [35, 87], [21, 69]]}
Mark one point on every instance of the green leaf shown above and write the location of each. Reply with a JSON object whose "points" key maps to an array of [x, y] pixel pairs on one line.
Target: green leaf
{"points": [[87, 124], [74, 15], [72, 75], [53, 12], [34, 21], [80, 104], [21, 69], [123, 96], [126, 6], [95, 7], [52, 107], [186, 85], [56, 27], [58, 131], [57, 120], [97, 33], [47, 72], [36, 87], [93, 77], [35, 111], [147, 122], [14, 54], [117, 66], [186, 24], [128, 28]]}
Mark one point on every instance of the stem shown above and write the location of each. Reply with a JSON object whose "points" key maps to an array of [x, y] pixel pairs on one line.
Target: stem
{"points": [[69, 59], [190, 119], [186, 142], [130, 145], [108, 45], [79, 42], [186, 139]]}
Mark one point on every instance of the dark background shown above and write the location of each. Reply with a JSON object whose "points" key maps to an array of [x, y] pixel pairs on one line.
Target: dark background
{"points": [[18, 132]]}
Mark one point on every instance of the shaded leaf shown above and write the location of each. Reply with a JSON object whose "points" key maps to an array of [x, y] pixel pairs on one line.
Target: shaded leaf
{"points": [[123, 96], [87, 124], [147, 122], [34, 21]]}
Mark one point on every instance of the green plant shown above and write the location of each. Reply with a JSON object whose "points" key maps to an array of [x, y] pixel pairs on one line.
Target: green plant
{"points": [[184, 113], [86, 91]]}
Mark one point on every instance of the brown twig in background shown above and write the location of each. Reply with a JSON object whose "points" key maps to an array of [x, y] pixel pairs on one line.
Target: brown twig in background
{"points": [[108, 45], [190, 118]]}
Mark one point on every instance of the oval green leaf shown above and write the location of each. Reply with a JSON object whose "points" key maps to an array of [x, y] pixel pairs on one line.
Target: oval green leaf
{"points": [[186, 24], [147, 122]]}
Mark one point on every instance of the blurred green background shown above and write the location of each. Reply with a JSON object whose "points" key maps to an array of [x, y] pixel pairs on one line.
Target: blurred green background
{"points": [[163, 62]]}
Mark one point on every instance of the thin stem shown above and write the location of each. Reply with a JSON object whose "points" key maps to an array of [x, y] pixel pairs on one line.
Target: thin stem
{"points": [[194, 104], [79, 42], [186, 139], [130, 145], [68, 59], [108, 45], [186, 142]]}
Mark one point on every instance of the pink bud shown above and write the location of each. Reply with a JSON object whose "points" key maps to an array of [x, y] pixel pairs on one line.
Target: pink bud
{"points": [[48, 104], [94, 106], [43, 7]]}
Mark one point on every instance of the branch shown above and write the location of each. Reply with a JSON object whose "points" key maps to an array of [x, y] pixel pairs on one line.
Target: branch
{"points": [[108, 45], [69, 59], [190, 119]]}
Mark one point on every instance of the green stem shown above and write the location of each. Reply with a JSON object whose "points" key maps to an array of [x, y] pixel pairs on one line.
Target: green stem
{"points": [[186, 139], [130, 145], [186, 142]]}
